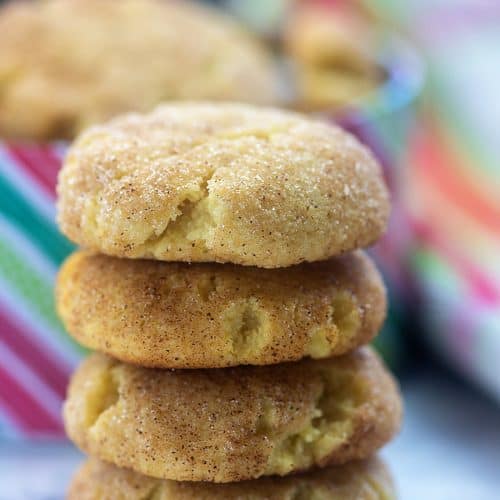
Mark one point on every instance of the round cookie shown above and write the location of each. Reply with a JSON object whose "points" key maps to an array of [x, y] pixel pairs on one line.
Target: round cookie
{"points": [[177, 315], [221, 183], [365, 480], [66, 64], [333, 57], [232, 424]]}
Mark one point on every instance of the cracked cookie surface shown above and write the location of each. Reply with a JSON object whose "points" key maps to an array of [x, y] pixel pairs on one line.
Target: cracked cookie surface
{"points": [[232, 424], [67, 64], [221, 183], [178, 315], [363, 480]]}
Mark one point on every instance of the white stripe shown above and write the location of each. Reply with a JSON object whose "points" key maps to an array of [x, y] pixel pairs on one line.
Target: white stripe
{"points": [[29, 187], [8, 427], [45, 396], [58, 342], [49, 341]]}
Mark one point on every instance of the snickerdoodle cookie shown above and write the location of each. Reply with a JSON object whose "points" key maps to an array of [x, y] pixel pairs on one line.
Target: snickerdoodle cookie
{"points": [[232, 424], [333, 56], [224, 183], [364, 480], [66, 64], [178, 315]]}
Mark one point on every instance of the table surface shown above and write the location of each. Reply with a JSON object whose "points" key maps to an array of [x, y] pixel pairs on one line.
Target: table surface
{"points": [[449, 449]]}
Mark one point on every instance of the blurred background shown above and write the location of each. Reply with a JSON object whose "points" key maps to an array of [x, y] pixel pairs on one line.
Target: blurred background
{"points": [[416, 80]]}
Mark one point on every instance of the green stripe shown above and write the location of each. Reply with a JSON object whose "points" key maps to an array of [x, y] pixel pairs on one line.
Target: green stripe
{"points": [[43, 234], [39, 294], [434, 270]]}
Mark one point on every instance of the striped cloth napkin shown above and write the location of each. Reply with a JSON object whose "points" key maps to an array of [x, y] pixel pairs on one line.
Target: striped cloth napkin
{"points": [[36, 355], [452, 184]]}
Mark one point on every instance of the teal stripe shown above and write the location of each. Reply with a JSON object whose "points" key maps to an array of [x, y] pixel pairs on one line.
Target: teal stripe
{"points": [[37, 292], [43, 234]]}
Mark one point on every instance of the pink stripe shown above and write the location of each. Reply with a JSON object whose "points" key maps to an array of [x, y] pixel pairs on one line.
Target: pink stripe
{"points": [[484, 288], [24, 344], [50, 160], [29, 413], [35, 164]]}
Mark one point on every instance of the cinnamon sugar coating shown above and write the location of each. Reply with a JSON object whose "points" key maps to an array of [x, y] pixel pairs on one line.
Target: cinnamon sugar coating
{"points": [[232, 424], [364, 480], [177, 315], [224, 183]]}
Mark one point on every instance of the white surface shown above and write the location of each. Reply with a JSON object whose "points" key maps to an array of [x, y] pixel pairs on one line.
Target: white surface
{"points": [[449, 449]]}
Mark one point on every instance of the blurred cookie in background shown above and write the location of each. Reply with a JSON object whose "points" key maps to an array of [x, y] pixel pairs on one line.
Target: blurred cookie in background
{"points": [[332, 55], [66, 64]]}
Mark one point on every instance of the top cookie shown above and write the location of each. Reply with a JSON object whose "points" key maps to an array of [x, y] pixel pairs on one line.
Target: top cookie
{"points": [[65, 64], [221, 182]]}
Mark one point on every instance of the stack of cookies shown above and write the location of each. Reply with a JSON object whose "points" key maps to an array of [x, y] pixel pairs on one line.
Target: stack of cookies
{"points": [[222, 286]]}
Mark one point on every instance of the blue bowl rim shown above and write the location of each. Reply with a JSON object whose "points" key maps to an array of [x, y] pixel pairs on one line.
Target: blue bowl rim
{"points": [[402, 86]]}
